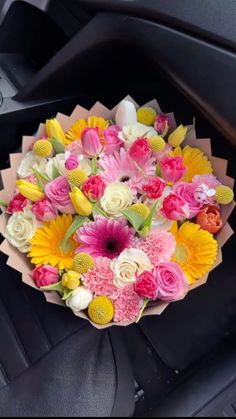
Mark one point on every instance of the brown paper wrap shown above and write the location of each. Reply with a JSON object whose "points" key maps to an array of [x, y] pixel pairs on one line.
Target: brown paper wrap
{"points": [[19, 261]]}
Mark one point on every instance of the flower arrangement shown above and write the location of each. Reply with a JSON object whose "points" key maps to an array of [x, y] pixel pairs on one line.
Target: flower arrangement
{"points": [[115, 215]]}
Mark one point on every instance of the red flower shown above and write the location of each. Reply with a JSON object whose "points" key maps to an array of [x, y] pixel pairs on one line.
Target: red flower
{"points": [[154, 187], [17, 204], [175, 207], [146, 285], [94, 187], [172, 168], [140, 150]]}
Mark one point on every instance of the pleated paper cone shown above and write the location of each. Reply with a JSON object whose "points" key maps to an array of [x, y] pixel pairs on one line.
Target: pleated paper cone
{"points": [[20, 262]]}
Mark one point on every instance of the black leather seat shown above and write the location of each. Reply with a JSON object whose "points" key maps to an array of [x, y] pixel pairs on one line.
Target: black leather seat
{"points": [[54, 364]]}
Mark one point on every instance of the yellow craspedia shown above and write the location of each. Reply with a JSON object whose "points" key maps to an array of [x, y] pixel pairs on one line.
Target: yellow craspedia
{"points": [[140, 209], [101, 310], [77, 177], [177, 136], [42, 148], [83, 262], [224, 194], [71, 280], [146, 115], [156, 143]]}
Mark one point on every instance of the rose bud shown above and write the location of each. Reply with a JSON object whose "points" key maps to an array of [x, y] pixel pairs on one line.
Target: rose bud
{"points": [[161, 124], [209, 219]]}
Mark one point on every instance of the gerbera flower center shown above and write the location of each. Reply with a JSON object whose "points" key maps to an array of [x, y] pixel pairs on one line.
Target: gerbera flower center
{"points": [[181, 253], [125, 178], [111, 245]]}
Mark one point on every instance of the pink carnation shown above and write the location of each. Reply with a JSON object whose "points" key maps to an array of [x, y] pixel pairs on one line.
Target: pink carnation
{"points": [[44, 210], [31, 178], [172, 283], [146, 285], [158, 246], [127, 304], [75, 147], [154, 187], [172, 168], [187, 191], [140, 150], [111, 138], [45, 275], [100, 279], [94, 187], [17, 204]]}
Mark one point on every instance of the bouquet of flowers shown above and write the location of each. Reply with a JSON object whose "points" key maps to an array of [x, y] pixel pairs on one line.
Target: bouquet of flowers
{"points": [[116, 213]]}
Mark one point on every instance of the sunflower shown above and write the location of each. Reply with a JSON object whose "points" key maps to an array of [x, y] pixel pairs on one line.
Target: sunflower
{"points": [[77, 128], [195, 160], [195, 250], [47, 244]]}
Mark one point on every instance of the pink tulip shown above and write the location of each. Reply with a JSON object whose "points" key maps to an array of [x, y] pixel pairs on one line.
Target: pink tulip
{"points": [[91, 142]]}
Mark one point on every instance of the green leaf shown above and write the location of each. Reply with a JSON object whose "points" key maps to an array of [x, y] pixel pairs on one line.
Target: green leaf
{"points": [[53, 287], [98, 210], [148, 221], [39, 182], [136, 220], [55, 172], [3, 203], [145, 303], [158, 170], [139, 169], [41, 175], [78, 222], [67, 293], [57, 146]]}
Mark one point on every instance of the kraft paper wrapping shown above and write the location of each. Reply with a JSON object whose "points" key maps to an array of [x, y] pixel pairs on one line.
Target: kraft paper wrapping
{"points": [[19, 261]]}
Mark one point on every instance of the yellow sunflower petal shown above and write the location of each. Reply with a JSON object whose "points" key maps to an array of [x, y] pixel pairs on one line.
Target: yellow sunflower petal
{"points": [[195, 250], [46, 242]]}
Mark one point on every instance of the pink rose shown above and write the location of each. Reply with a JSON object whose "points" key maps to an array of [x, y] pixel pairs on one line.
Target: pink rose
{"points": [[161, 124], [172, 283], [91, 142], [111, 138], [140, 150], [44, 210], [187, 191], [172, 168], [45, 275], [154, 187], [146, 285], [175, 207], [94, 187], [17, 204], [72, 162], [57, 192]]}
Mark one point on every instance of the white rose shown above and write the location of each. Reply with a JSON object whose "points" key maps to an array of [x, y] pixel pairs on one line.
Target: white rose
{"points": [[20, 228], [126, 114], [79, 299], [131, 132], [59, 162], [130, 262], [117, 197], [29, 162]]}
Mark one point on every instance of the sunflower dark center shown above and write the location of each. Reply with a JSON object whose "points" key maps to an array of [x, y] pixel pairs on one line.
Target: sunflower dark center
{"points": [[112, 245]]}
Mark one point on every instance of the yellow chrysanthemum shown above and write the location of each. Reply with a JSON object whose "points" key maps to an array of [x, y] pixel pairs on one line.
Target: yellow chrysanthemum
{"points": [[156, 143], [47, 244], [195, 160], [77, 128], [77, 177], [42, 148], [224, 194], [195, 250]]}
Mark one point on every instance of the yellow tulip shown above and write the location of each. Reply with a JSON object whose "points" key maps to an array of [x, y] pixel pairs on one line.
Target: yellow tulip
{"points": [[80, 203], [54, 130], [177, 136], [71, 280], [29, 190]]}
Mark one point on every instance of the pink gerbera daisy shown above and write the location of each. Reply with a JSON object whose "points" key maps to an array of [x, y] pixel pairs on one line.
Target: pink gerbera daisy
{"points": [[120, 167], [158, 246], [127, 304], [100, 279], [104, 237]]}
